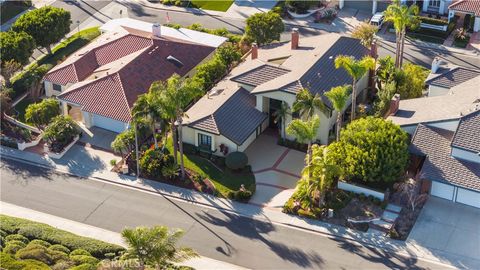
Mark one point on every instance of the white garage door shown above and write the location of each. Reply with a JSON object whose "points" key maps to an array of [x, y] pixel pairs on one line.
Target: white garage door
{"points": [[468, 197], [108, 123], [442, 190]]}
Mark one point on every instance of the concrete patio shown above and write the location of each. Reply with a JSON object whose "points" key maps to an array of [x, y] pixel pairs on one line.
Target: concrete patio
{"points": [[277, 170], [447, 227]]}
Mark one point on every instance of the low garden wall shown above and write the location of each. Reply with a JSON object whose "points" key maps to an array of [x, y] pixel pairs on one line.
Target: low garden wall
{"points": [[24, 145], [65, 150], [357, 189], [434, 27], [20, 124]]}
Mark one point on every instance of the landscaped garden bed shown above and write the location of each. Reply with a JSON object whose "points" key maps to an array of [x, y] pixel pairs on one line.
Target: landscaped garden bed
{"points": [[12, 135], [60, 134], [32, 245]]}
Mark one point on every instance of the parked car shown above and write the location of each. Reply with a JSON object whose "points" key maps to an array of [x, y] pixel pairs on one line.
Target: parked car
{"points": [[377, 20]]}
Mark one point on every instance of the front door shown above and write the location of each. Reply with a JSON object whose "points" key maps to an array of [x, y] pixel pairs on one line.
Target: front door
{"points": [[275, 104]]}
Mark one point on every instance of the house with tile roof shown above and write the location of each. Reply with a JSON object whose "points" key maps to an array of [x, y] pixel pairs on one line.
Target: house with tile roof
{"points": [[102, 81], [445, 133], [241, 106], [464, 7]]}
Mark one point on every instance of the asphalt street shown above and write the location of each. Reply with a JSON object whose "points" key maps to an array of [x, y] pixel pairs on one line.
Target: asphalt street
{"points": [[215, 234]]}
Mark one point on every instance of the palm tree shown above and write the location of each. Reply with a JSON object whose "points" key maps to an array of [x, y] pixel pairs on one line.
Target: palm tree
{"points": [[306, 104], [156, 246], [177, 95], [402, 17], [146, 107], [281, 115], [305, 132], [324, 170], [356, 69], [338, 96]]}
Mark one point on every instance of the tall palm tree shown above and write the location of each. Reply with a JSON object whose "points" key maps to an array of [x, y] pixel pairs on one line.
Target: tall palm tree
{"points": [[402, 17], [281, 115], [305, 132], [356, 69], [306, 104], [146, 107], [156, 246], [179, 93], [338, 96]]}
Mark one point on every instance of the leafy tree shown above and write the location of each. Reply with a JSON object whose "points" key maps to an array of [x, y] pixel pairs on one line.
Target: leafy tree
{"points": [[47, 25], [16, 46], [281, 115], [156, 246], [41, 113], [146, 107], [228, 54], [300, 6], [5, 100], [306, 104], [208, 73], [384, 96], [264, 27], [305, 132], [174, 98], [385, 71], [402, 17], [371, 150], [124, 143], [356, 69], [365, 32], [7, 70], [338, 96], [60, 132], [152, 162], [410, 81], [324, 171]]}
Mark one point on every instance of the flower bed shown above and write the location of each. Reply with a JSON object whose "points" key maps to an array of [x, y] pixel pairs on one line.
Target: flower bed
{"points": [[17, 136]]}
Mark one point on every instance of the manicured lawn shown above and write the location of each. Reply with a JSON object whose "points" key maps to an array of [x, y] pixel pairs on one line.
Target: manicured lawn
{"points": [[426, 38], [219, 5], [225, 180], [20, 108], [10, 10]]}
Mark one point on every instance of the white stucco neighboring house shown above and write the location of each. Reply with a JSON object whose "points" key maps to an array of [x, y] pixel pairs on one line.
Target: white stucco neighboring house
{"points": [[99, 84], [243, 105], [445, 129], [464, 7]]}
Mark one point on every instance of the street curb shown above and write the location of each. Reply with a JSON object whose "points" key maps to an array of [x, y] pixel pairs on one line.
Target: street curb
{"points": [[193, 10], [396, 248]]}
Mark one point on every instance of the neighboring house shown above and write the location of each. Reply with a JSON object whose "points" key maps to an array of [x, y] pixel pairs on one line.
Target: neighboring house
{"points": [[436, 6], [445, 129], [242, 105], [372, 6], [467, 7], [100, 83]]}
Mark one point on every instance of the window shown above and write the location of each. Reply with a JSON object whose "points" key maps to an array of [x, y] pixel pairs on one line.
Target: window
{"points": [[434, 3], [204, 140], [57, 87]]}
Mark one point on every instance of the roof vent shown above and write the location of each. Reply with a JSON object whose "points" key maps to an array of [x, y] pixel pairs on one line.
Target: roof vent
{"points": [[156, 30], [175, 61]]}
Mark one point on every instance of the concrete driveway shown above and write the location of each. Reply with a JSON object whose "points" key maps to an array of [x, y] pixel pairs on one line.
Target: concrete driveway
{"points": [[450, 231], [277, 170]]}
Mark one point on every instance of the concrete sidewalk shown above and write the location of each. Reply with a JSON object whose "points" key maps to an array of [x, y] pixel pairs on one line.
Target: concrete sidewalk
{"points": [[98, 233], [246, 210]]}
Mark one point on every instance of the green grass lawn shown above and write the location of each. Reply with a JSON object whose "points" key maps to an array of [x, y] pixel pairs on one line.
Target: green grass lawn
{"points": [[10, 10], [20, 108], [212, 5], [224, 181]]}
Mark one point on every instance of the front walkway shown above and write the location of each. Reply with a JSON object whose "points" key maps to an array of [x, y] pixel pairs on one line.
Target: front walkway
{"points": [[277, 170], [99, 233]]}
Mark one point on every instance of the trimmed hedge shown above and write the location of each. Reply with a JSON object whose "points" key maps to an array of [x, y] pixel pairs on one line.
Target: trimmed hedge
{"points": [[34, 230], [59, 248], [8, 262], [433, 21], [236, 160]]}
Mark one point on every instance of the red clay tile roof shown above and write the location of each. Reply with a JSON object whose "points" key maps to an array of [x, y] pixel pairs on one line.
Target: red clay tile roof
{"points": [[472, 6], [114, 94]]}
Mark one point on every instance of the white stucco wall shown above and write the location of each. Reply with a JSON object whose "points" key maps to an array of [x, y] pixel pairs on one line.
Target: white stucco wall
{"points": [[49, 89], [190, 135], [465, 155], [434, 91], [476, 25], [248, 141], [448, 124]]}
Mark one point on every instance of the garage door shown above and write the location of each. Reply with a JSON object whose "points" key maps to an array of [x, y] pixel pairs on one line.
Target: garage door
{"points": [[108, 123], [442, 190], [468, 197], [361, 5]]}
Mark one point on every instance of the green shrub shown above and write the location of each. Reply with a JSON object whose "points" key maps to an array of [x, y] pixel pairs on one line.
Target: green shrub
{"points": [[3, 233], [84, 266], [2, 242], [306, 213], [59, 248], [13, 246], [84, 259], [209, 73], [60, 132], [433, 21], [63, 265], [17, 237], [10, 263], [58, 256], [152, 163], [35, 230], [110, 255], [236, 160], [41, 113], [39, 242], [80, 251], [35, 252], [289, 207], [113, 162]]}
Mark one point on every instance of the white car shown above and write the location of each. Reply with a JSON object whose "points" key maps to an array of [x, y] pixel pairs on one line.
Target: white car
{"points": [[377, 20]]}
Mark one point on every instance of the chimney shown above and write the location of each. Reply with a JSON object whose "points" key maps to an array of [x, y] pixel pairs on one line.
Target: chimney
{"points": [[156, 30], [295, 38], [254, 51], [394, 104], [435, 64]]}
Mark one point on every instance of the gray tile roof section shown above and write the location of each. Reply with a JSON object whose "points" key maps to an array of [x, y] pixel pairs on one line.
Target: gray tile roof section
{"points": [[453, 77], [468, 133], [236, 119], [260, 75], [439, 165]]}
